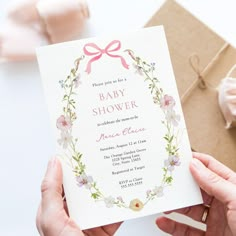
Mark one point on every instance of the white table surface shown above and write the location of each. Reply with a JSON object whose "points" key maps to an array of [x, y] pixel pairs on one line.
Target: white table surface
{"points": [[25, 137]]}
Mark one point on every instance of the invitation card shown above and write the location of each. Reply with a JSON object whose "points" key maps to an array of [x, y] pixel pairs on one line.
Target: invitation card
{"points": [[119, 127]]}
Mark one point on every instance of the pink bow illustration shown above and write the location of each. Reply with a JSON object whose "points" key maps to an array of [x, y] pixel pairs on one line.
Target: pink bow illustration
{"points": [[113, 46]]}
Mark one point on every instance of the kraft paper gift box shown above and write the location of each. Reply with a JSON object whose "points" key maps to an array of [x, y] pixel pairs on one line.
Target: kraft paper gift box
{"points": [[201, 59]]}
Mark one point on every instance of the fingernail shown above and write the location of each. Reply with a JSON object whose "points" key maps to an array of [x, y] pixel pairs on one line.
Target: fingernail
{"points": [[52, 163], [197, 164], [194, 154]]}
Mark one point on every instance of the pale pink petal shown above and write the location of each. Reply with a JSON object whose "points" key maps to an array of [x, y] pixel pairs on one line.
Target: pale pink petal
{"points": [[24, 11], [18, 42], [63, 19]]}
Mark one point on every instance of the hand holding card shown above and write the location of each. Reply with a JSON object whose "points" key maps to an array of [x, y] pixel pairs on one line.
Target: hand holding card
{"points": [[122, 140]]}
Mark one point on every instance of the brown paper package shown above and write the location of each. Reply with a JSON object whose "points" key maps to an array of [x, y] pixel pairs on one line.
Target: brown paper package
{"points": [[187, 36]]}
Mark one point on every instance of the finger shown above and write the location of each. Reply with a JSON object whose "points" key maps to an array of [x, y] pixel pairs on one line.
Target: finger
{"points": [[64, 201], [112, 228], [95, 231], [107, 230], [217, 167], [66, 208], [38, 217], [207, 199], [51, 187], [53, 219], [212, 183], [194, 212], [177, 229]]}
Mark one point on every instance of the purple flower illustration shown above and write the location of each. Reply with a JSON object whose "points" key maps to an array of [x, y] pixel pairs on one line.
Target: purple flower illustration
{"points": [[138, 69], [77, 81], [84, 180], [120, 199], [61, 82], [171, 162], [152, 64]]}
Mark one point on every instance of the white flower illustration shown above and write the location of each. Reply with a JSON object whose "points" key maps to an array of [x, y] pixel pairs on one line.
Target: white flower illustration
{"points": [[172, 117], [65, 139], [158, 191], [109, 201]]}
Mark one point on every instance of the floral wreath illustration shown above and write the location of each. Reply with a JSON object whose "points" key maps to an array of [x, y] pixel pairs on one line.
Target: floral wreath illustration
{"points": [[66, 121]]}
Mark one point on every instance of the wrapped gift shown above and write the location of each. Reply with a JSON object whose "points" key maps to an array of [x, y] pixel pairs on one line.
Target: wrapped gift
{"points": [[201, 59]]}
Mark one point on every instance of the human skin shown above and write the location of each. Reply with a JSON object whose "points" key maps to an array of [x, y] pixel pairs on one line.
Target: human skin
{"points": [[52, 217], [218, 184]]}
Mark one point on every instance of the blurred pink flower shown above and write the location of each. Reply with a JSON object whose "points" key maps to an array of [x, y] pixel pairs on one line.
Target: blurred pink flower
{"points": [[64, 123], [167, 102]]}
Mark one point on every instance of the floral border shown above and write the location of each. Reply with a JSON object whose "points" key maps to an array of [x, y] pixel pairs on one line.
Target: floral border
{"points": [[67, 141]]}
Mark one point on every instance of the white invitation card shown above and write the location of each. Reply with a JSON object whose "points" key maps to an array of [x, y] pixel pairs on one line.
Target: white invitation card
{"points": [[119, 127]]}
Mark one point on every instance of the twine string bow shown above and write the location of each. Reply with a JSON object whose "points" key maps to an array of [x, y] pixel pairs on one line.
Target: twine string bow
{"points": [[194, 61]]}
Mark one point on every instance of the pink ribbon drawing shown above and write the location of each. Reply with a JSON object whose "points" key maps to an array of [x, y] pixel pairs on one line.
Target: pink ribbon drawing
{"points": [[113, 46]]}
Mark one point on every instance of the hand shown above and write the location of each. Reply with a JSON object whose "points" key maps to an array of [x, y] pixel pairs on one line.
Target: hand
{"points": [[52, 218], [218, 184]]}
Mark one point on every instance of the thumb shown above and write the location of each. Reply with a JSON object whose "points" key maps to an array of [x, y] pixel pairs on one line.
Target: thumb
{"points": [[51, 187], [212, 183]]}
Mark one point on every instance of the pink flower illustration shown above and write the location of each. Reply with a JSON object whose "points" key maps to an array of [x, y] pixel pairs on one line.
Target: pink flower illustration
{"points": [[64, 123], [167, 102]]}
